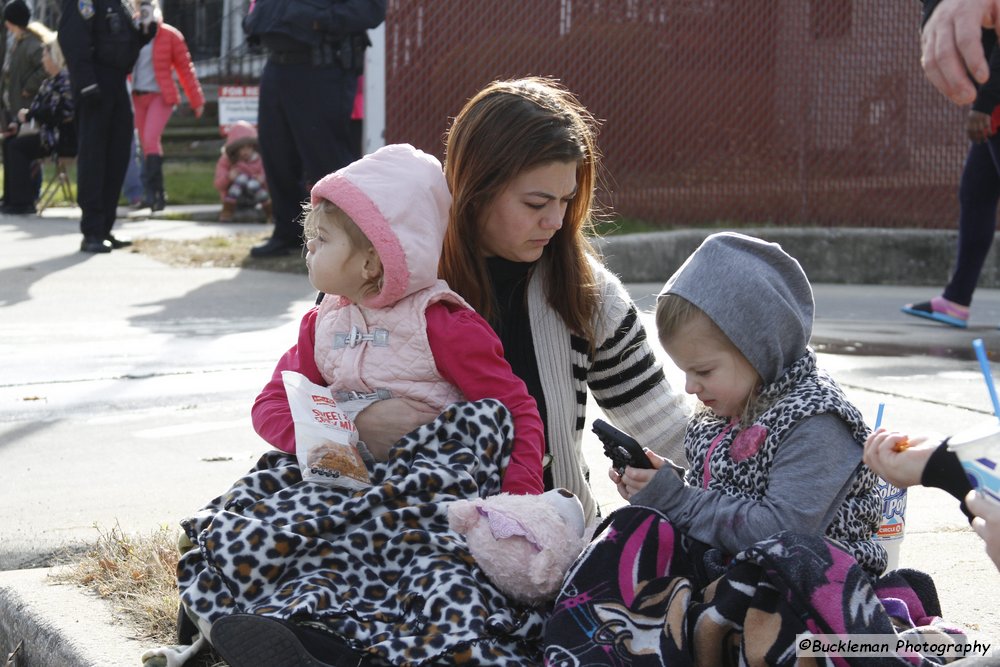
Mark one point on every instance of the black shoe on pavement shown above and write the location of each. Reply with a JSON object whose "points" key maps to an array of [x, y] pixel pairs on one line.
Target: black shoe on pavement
{"points": [[94, 245], [275, 247], [249, 640], [18, 209], [116, 243]]}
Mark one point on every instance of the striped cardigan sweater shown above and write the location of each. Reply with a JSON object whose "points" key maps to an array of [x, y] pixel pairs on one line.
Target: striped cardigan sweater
{"points": [[624, 377]]}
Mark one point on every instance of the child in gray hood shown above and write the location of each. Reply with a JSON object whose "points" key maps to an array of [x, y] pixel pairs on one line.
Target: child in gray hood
{"points": [[775, 444]]}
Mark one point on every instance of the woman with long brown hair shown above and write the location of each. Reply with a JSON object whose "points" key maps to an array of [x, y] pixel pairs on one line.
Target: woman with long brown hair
{"points": [[522, 165]]}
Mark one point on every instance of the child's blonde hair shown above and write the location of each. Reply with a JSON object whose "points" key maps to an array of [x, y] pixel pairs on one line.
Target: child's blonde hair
{"points": [[674, 312], [330, 212]]}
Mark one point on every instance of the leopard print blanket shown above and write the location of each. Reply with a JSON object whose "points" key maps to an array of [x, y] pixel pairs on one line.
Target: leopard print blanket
{"points": [[378, 568], [648, 595]]}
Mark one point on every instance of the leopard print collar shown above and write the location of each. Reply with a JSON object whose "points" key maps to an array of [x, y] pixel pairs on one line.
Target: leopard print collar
{"points": [[737, 460]]}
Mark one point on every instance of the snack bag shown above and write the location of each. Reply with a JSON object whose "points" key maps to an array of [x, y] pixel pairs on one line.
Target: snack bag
{"points": [[326, 440]]}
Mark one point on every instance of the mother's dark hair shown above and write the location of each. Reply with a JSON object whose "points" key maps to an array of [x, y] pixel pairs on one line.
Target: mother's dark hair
{"points": [[506, 128]]}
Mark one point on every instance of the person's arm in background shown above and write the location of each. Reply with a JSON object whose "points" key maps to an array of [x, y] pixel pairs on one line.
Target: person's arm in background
{"points": [[925, 463], [42, 108], [920, 462], [271, 414], [627, 380], [951, 45], [180, 58], [469, 354], [979, 125]]}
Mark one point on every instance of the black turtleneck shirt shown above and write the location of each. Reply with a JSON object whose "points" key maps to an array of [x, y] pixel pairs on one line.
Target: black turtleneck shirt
{"points": [[512, 325]]}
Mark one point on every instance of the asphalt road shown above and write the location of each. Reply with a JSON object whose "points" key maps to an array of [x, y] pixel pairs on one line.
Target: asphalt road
{"points": [[125, 389]]}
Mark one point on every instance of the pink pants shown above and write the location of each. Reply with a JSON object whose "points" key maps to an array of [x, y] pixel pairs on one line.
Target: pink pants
{"points": [[151, 115]]}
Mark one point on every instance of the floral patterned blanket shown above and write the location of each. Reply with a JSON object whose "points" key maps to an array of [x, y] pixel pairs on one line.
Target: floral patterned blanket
{"points": [[646, 594]]}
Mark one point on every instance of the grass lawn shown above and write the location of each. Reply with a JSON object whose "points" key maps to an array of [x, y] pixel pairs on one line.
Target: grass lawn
{"points": [[189, 181], [186, 182]]}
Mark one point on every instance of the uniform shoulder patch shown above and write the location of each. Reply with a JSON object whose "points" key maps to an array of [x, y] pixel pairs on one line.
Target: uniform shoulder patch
{"points": [[86, 8]]}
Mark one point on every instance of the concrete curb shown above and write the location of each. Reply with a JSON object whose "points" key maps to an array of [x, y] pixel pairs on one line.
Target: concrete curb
{"points": [[60, 624], [839, 256], [859, 256]]}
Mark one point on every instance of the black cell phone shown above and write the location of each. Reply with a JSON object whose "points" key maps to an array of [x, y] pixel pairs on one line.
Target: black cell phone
{"points": [[620, 447]]}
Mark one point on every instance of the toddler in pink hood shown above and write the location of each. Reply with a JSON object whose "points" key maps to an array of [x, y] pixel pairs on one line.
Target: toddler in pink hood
{"points": [[239, 173], [386, 325]]}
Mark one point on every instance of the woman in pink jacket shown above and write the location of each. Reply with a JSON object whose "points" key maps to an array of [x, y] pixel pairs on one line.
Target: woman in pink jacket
{"points": [[155, 96]]}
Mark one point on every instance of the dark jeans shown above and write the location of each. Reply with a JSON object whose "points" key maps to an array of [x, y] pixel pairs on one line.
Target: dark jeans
{"points": [[22, 174], [978, 195]]}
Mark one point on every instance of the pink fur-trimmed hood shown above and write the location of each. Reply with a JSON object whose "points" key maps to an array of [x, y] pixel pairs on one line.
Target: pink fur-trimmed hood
{"points": [[399, 198]]}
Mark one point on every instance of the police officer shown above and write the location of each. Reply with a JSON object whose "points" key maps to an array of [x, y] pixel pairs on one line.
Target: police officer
{"points": [[315, 52], [101, 40]]}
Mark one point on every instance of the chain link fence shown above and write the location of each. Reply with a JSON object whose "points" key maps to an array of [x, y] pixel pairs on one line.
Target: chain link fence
{"points": [[784, 112]]}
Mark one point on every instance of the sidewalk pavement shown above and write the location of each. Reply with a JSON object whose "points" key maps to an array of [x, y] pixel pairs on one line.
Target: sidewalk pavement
{"points": [[125, 388]]}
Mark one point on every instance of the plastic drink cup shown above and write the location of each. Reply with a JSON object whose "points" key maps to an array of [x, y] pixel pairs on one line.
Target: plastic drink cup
{"points": [[978, 449], [892, 527]]}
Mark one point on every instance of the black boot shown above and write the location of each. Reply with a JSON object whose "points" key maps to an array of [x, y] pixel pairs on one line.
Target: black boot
{"points": [[152, 183], [147, 186]]}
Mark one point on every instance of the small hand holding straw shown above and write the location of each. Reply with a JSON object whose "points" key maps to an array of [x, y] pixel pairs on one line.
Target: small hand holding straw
{"points": [[900, 446], [984, 364]]}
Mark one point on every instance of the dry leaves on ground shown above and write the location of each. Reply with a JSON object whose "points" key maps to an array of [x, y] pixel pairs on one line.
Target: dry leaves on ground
{"points": [[230, 251], [137, 575]]}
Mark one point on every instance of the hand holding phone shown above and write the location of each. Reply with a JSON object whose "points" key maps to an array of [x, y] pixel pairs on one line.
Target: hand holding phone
{"points": [[620, 447]]}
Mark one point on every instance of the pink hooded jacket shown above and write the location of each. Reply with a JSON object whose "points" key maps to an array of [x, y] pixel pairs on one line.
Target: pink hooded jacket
{"points": [[436, 348], [399, 198], [240, 134]]}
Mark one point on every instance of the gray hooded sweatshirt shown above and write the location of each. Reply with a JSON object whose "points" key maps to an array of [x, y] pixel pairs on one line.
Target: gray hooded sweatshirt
{"points": [[798, 466]]}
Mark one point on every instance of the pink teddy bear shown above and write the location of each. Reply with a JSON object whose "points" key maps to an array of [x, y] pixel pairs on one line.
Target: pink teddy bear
{"points": [[524, 544]]}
